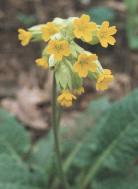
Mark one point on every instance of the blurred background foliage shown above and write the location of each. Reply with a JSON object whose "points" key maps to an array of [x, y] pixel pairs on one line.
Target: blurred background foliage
{"points": [[99, 134], [100, 153]]}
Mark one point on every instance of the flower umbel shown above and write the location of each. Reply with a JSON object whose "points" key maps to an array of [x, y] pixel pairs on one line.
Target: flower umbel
{"points": [[66, 98], [85, 63], [59, 48], [104, 79], [42, 63], [24, 36], [71, 63], [48, 30], [105, 34], [83, 28]]}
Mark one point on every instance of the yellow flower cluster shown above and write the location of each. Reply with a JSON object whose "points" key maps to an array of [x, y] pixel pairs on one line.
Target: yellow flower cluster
{"points": [[66, 98], [70, 62]]}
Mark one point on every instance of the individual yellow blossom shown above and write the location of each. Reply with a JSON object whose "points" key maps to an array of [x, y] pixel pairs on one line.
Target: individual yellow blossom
{"points": [[79, 91], [104, 80], [105, 34], [83, 28], [24, 36], [48, 30], [85, 63], [59, 48], [42, 63], [66, 98]]}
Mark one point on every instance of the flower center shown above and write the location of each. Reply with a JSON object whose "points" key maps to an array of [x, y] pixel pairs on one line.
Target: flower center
{"points": [[103, 34], [81, 27], [58, 47]]}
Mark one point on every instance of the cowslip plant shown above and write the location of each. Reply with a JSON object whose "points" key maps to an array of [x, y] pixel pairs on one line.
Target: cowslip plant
{"points": [[69, 62]]}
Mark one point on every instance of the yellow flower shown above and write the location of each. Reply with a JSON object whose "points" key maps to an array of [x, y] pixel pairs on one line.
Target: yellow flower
{"points": [[24, 36], [42, 63], [79, 91], [85, 63], [83, 28], [59, 48], [104, 80], [66, 98], [48, 30], [105, 34]]}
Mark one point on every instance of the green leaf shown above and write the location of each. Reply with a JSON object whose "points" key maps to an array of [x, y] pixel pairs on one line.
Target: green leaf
{"points": [[131, 6], [16, 186], [114, 141], [14, 172], [100, 14], [27, 20], [128, 181], [97, 107], [132, 23], [12, 134], [42, 153]]}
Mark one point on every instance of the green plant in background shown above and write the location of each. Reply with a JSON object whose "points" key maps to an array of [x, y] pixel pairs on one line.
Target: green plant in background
{"points": [[26, 20], [70, 63], [99, 14], [102, 153], [132, 23]]}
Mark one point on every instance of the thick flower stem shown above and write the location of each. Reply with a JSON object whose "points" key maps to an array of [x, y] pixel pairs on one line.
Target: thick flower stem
{"points": [[55, 132]]}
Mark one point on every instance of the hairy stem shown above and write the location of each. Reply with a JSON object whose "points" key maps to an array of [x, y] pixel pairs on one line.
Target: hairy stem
{"points": [[55, 124]]}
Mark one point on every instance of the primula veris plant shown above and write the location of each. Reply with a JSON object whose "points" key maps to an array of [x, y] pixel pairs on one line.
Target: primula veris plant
{"points": [[70, 62]]}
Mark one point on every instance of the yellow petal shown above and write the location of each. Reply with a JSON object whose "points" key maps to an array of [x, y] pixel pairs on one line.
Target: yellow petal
{"points": [[92, 26], [76, 67], [83, 72], [92, 67], [85, 18], [104, 43], [112, 30], [92, 57], [87, 36], [66, 48], [58, 56], [111, 40], [105, 25]]}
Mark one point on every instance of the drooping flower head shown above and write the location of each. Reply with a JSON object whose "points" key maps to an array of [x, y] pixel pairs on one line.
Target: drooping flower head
{"points": [[66, 98], [70, 62], [59, 48], [104, 79], [85, 63], [24, 36], [105, 34], [42, 63], [83, 28], [48, 30]]}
